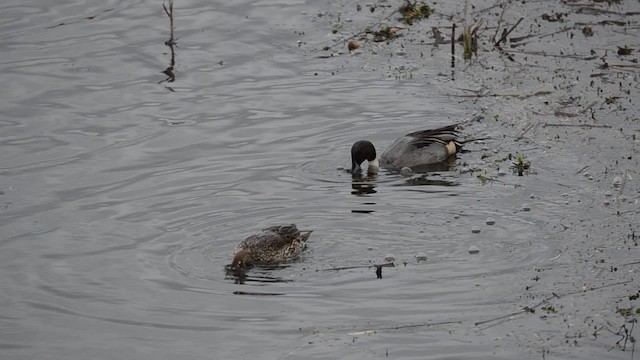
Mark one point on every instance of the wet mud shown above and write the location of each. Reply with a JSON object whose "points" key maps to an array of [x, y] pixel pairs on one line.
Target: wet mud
{"points": [[555, 85]]}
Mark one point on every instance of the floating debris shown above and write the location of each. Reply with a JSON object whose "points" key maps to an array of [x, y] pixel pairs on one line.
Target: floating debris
{"points": [[401, 52], [385, 33], [520, 166], [617, 182], [558, 17], [626, 50], [421, 256], [389, 258], [413, 11], [352, 45]]}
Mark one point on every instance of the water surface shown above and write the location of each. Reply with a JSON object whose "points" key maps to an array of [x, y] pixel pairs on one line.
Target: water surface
{"points": [[124, 195]]}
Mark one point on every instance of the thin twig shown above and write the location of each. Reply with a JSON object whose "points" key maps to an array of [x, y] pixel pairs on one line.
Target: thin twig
{"points": [[505, 34], [526, 130], [453, 45], [389, 264], [504, 9], [531, 309], [169, 13], [499, 318], [582, 169], [578, 125], [513, 40], [399, 327], [171, 43]]}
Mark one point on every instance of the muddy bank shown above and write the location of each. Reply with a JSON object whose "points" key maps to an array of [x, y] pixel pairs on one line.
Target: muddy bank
{"points": [[556, 82]]}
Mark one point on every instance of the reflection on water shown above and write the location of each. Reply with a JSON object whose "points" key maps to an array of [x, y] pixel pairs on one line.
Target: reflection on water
{"points": [[256, 274], [431, 179], [364, 185], [253, 293]]}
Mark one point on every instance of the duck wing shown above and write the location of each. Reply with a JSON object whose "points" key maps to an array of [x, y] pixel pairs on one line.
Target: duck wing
{"points": [[275, 237], [422, 148], [442, 135], [275, 243]]}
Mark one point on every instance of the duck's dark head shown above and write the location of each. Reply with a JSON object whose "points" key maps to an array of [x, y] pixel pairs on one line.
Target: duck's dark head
{"points": [[360, 151], [241, 261]]}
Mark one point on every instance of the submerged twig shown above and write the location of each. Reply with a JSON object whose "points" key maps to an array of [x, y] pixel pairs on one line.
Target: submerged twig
{"points": [[582, 169], [399, 327], [526, 130], [389, 264], [505, 34], [540, 36], [578, 125], [582, 111], [532, 309], [504, 9]]}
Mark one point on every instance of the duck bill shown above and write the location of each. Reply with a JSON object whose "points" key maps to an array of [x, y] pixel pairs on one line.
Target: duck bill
{"points": [[355, 168], [374, 165]]}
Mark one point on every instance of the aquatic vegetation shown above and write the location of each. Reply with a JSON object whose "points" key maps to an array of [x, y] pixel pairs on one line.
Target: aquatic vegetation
{"points": [[413, 11], [520, 165], [467, 42], [626, 50]]}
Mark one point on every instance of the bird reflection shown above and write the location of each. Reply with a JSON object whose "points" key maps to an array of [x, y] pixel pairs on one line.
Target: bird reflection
{"points": [[363, 185], [261, 274]]}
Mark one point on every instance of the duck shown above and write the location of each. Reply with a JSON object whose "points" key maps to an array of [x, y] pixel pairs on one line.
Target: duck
{"points": [[272, 245], [422, 147]]}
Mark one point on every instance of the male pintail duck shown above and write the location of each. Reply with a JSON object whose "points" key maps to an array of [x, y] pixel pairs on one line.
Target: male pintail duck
{"points": [[272, 245], [417, 148]]}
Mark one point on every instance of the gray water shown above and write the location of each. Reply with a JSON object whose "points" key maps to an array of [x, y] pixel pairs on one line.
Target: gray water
{"points": [[124, 195]]}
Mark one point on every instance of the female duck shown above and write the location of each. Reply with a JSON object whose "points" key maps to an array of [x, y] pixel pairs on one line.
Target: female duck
{"points": [[270, 246], [417, 148]]}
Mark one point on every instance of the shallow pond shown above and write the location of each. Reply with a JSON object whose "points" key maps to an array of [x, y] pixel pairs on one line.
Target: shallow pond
{"points": [[124, 194]]}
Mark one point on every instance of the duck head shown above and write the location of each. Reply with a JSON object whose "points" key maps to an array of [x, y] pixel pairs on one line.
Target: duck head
{"points": [[360, 151], [241, 260]]}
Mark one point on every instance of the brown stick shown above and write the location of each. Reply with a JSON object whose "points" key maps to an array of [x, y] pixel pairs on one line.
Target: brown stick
{"points": [[171, 77], [169, 13], [505, 34]]}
